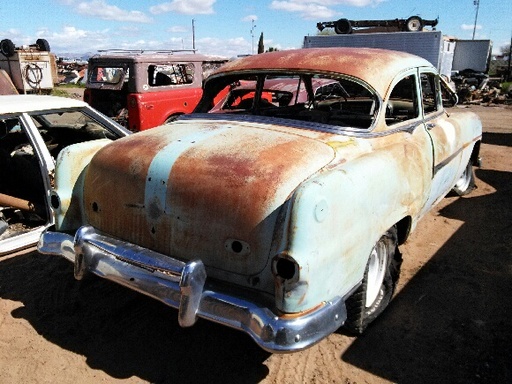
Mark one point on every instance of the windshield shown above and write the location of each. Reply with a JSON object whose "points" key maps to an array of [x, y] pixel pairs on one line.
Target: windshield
{"points": [[316, 98]]}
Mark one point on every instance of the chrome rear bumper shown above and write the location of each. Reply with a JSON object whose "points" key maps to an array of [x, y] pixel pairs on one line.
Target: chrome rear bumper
{"points": [[182, 286]]}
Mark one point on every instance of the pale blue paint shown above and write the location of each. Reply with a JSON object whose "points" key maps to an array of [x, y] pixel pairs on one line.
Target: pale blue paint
{"points": [[160, 168]]}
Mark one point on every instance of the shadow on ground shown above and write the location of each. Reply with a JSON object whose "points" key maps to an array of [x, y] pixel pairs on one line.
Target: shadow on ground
{"points": [[452, 322], [122, 332], [504, 139]]}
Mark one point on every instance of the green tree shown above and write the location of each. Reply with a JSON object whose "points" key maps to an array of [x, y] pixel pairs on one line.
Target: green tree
{"points": [[505, 50], [261, 47]]}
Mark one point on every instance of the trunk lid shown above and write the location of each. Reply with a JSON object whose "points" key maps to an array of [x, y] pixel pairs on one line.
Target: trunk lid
{"points": [[201, 190]]}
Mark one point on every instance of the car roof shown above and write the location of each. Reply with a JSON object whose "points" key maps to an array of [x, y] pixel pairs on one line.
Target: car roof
{"points": [[31, 103], [377, 67]]}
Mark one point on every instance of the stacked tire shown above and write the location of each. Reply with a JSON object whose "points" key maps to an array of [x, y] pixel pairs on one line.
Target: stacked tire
{"points": [[7, 47]]}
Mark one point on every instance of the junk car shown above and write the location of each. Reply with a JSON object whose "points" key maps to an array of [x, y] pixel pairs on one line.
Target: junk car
{"points": [[145, 89], [276, 211], [36, 133]]}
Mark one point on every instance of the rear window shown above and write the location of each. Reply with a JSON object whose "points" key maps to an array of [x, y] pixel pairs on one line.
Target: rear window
{"points": [[321, 99]]}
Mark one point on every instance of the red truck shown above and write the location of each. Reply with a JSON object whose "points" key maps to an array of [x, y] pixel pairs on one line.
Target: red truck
{"points": [[145, 89]]}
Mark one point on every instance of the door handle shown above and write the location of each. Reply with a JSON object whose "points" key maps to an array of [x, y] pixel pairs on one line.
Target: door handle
{"points": [[430, 126]]}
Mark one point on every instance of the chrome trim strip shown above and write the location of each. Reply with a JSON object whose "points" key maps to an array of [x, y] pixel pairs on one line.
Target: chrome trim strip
{"points": [[183, 286], [446, 161]]}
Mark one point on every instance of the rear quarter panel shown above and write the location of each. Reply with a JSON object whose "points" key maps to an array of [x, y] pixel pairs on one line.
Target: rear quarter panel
{"points": [[337, 217]]}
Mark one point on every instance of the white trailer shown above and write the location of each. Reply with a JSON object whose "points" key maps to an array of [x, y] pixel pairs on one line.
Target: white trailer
{"points": [[444, 53]]}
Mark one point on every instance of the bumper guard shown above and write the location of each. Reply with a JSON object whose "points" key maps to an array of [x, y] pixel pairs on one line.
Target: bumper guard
{"points": [[182, 286]]}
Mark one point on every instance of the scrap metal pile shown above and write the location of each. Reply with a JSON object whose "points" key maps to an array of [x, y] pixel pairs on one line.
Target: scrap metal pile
{"points": [[478, 88]]}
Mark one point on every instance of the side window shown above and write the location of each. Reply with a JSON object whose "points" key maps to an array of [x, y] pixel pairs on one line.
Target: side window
{"points": [[403, 101], [170, 74], [429, 92]]}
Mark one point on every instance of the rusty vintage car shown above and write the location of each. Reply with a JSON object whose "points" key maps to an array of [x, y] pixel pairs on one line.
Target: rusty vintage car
{"points": [[277, 212]]}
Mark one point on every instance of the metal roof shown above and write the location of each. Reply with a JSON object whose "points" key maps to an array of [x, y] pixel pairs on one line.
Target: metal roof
{"points": [[152, 56]]}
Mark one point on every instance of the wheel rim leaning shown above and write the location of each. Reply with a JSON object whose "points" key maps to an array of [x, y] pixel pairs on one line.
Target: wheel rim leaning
{"points": [[463, 183], [376, 272]]}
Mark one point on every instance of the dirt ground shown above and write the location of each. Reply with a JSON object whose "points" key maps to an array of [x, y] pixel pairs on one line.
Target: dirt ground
{"points": [[450, 321]]}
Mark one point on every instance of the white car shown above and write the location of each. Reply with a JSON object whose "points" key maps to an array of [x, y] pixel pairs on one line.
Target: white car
{"points": [[35, 132]]}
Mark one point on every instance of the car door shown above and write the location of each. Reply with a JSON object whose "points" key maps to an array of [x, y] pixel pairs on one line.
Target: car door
{"points": [[445, 134], [25, 168]]}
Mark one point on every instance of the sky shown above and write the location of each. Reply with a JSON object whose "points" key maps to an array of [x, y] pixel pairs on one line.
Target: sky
{"points": [[227, 27]]}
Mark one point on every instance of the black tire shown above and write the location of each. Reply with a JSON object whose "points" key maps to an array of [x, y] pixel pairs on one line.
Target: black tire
{"points": [[414, 24], [171, 118], [342, 27], [466, 182], [370, 299], [7, 47], [43, 45]]}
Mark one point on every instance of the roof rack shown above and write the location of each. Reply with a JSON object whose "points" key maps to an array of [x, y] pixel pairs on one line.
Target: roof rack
{"points": [[148, 51]]}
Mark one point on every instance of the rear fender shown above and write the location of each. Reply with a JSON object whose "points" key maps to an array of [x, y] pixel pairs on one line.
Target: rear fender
{"points": [[67, 198], [335, 220]]}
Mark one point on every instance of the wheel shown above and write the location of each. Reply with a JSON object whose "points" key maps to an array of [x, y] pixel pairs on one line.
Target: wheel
{"points": [[7, 47], [172, 118], [466, 182], [414, 24], [378, 285], [342, 27], [43, 45]]}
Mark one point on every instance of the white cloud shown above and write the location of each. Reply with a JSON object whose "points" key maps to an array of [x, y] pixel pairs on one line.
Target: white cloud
{"points": [[355, 3], [225, 47], [177, 29], [470, 27], [319, 9], [102, 10], [250, 18], [72, 40], [185, 7], [306, 10]]}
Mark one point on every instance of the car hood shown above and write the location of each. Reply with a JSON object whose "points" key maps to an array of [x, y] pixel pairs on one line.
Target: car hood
{"points": [[199, 189]]}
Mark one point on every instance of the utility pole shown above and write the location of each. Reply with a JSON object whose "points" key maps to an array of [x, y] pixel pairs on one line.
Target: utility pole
{"points": [[193, 36], [252, 36], [508, 77], [477, 3]]}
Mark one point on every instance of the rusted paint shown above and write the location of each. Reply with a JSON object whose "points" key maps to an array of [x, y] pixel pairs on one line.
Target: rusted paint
{"points": [[374, 66], [322, 195], [213, 183]]}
